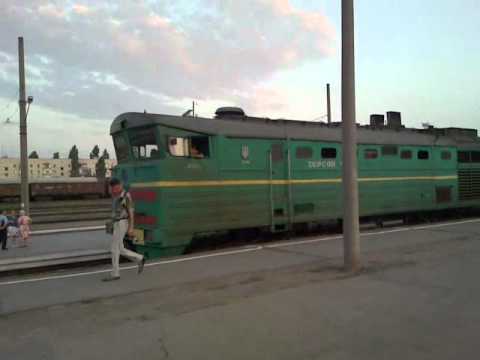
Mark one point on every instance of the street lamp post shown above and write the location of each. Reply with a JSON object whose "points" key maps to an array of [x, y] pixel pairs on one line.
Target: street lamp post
{"points": [[351, 236]]}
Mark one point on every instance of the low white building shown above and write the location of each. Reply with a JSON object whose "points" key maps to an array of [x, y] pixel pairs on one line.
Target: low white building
{"points": [[45, 168], [88, 167]]}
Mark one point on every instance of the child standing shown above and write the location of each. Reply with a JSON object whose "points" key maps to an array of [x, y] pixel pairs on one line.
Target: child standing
{"points": [[24, 222]]}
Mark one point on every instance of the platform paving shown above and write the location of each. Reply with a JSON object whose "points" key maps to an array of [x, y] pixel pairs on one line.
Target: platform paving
{"points": [[54, 243], [416, 298]]}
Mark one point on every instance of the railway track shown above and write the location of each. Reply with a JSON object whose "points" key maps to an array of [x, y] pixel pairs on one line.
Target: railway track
{"points": [[52, 204], [66, 211], [244, 237]]}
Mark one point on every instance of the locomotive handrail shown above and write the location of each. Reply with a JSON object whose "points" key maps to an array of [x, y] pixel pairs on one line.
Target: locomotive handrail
{"points": [[289, 170], [270, 167]]}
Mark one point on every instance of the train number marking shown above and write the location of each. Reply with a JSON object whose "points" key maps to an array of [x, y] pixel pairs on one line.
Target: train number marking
{"points": [[322, 164]]}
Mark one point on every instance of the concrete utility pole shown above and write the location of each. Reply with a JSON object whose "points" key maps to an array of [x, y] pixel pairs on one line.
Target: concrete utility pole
{"points": [[329, 109], [22, 102], [351, 236]]}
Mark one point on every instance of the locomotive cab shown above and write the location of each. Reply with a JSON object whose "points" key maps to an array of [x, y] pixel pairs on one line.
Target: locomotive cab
{"points": [[152, 158]]}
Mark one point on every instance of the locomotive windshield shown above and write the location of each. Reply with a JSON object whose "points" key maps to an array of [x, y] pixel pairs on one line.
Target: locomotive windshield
{"points": [[121, 148], [144, 143]]}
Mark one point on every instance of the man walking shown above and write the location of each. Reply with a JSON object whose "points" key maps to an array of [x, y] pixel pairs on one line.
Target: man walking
{"points": [[122, 218], [3, 230]]}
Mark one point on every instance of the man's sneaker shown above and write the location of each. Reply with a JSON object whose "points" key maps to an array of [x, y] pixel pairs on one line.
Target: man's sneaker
{"points": [[141, 264], [111, 278]]}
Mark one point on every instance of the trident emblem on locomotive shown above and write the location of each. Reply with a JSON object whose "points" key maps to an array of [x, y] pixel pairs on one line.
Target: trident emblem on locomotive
{"points": [[244, 152]]}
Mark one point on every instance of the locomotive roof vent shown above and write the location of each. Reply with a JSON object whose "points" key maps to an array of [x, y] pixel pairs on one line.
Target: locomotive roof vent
{"points": [[229, 112], [394, 119], [377, 120]]}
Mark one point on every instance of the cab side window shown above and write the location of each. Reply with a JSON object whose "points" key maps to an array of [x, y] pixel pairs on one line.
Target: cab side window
{"points": [[178, 146], [196, 147], [199, 147]]}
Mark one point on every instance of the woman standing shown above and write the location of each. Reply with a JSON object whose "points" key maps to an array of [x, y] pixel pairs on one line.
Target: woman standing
{"points": [[24, 222]]}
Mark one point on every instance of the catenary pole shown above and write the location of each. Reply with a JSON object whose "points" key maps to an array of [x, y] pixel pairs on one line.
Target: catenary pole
{"points": [[329, 109], [22, 102], [351, 234]]}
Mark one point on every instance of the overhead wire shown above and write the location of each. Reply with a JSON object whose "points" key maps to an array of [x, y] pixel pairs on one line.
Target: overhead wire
{"points": [[6, 121], [8, 104]]}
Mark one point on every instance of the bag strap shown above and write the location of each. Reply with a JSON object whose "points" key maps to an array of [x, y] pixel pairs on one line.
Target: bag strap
{"points": [[125, 201]]}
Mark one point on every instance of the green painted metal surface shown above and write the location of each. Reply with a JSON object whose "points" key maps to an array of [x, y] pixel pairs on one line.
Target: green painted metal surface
{"points": [[247, 182]]}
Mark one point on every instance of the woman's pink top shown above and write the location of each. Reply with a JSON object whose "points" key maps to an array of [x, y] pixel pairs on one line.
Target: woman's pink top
{"points": [[23, 220]]}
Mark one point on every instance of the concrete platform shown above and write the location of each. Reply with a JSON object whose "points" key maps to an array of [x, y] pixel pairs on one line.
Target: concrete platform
{"points": [[52, 260], [59, 244], [55, 241], [417, 298], [51, 248]]}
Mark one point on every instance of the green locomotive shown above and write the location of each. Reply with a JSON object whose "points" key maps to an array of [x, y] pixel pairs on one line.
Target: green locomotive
{"points": [[191, 176]]}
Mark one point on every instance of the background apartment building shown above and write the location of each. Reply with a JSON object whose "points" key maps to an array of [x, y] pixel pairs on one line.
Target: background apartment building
{"points": [[45, 168]]}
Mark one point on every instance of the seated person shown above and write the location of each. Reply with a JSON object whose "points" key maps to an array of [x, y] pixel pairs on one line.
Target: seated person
{"points": [[195, 153]]}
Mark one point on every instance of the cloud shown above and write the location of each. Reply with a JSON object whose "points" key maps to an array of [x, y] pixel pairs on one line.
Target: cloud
{"points": [[81, 9], [156, 21], [50, 131], [128, 55], [51, 10]]}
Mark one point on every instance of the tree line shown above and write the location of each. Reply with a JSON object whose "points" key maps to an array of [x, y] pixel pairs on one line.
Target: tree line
{"points": [[100, 166]]}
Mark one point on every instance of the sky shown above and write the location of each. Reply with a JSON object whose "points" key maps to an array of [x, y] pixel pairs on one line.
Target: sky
{"points": [[88, 61]]}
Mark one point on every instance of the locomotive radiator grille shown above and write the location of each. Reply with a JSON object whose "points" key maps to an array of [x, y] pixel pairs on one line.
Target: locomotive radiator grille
{"points": [[469, 184]]}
